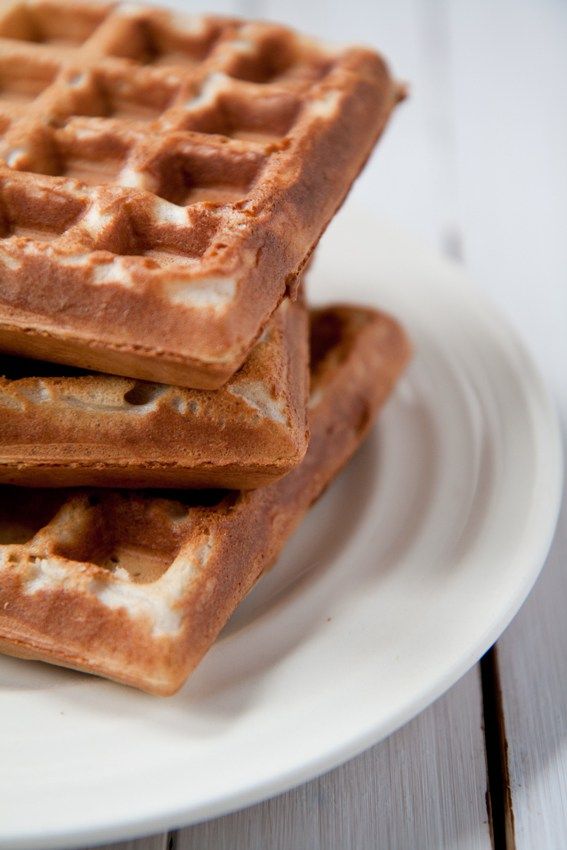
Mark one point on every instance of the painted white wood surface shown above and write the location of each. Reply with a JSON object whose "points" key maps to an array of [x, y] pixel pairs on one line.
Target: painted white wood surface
{"points": [[475, 158], [425, 786], [421, 788], [533, 670], [514, 215]]}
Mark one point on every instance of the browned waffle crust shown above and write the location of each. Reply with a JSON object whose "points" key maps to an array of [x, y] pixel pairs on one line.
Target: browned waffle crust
{"points": [[164, 179], [136, 586], [84, 429]]}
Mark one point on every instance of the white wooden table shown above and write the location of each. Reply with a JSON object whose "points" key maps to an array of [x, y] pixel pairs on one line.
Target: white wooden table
{"points": [[476, 163]]}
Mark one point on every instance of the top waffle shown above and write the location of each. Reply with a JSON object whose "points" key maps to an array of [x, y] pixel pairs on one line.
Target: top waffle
{"points": [[164, 180]]}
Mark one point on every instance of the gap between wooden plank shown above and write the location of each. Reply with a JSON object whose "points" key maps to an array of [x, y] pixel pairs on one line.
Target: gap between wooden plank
{"points": [[423, 787], [498, 796]]}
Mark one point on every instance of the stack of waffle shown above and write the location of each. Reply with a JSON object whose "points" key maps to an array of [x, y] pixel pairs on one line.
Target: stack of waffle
{"points": [[163, 182]]}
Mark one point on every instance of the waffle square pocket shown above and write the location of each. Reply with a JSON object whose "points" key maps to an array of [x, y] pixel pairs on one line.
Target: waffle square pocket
{"points": [[164, 179], [136, 586]]}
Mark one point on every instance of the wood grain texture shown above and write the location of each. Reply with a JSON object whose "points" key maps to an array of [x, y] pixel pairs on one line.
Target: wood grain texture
{"points": [[478, 150], [510, 72], [422, 787], [534, 685], [425, 786]]}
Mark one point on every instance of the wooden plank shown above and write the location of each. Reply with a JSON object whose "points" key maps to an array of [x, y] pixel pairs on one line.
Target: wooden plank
{"points": [[534, 687], [510, 79], [423, 787]]}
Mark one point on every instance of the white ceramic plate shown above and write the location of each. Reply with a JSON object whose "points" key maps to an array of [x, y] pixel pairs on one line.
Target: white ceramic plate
{"points": [[401, 577]]}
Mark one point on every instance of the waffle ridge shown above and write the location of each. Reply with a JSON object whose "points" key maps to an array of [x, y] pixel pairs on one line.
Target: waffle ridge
{"points": [[63, 427], [172, 173], [135, 586]]}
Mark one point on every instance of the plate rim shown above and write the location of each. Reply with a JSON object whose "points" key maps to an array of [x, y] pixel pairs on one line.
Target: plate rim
{"points": [[541, 411]]}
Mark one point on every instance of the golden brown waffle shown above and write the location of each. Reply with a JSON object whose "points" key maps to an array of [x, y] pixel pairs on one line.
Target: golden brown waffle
{"points": [[59, 429], [136, 586], [165, 180]]}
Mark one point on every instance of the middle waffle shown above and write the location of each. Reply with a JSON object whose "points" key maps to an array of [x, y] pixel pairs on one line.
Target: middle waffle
{"points": [[66, 427]]}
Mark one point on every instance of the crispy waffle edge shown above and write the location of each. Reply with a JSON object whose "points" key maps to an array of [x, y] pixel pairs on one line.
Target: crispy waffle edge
{"points": [[99, 430], [58, 607], [180, 287]]}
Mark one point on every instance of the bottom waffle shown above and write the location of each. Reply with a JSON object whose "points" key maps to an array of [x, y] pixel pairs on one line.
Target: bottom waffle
{"points": [[135, 586]]}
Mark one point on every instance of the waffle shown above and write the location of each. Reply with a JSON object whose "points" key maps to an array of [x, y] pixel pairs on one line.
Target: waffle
{"points": [[135, 586], [99, 430], [164, 180]]}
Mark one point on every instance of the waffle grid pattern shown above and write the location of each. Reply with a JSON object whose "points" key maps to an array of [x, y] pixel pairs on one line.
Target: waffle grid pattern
{"points": [[164, 180], [136, 586], [148, 129]]}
